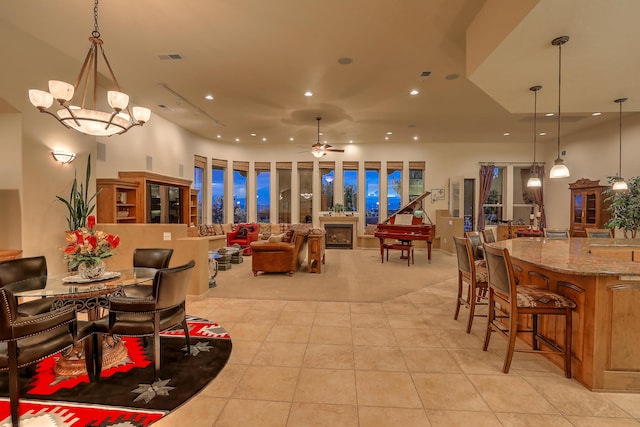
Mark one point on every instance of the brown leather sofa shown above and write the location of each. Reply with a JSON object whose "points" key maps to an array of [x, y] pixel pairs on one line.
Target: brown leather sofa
{"points": [[279, 257]]}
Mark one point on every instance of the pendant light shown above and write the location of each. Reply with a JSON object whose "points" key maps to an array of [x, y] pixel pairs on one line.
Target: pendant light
{"points": [[534, 179], [619, 183], [559, 170]]}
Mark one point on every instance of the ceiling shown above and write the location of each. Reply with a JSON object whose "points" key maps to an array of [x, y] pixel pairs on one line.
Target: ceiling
{"points": [[259, 57]]}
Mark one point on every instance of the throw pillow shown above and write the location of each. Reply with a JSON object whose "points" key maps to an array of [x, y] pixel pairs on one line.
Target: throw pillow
{"points": [[264, 228], [202, 230], [218, 229], [226, 228], [211, 231], [242, 233], [276, 238], [288, 236]]}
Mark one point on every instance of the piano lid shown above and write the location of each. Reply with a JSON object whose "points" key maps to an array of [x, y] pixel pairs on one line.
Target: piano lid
{"points": [[411, 207]]}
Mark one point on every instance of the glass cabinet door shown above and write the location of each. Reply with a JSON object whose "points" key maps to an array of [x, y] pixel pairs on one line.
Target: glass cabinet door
{"points": [[590, 210], [577, 208]]}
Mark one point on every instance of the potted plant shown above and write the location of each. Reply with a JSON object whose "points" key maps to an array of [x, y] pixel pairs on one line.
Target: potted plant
{"points": [[79, 204], [624, 207], [338, 208]]}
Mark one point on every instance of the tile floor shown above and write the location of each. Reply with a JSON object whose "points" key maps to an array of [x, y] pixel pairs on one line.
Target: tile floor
{"points": [[403, 362]]}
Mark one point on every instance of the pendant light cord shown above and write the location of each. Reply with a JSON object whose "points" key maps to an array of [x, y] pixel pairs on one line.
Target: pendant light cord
{"points": [[559, 90], [535, 118]]}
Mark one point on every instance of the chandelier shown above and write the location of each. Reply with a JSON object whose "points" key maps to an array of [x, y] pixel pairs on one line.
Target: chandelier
{"points": [[89, 120]]}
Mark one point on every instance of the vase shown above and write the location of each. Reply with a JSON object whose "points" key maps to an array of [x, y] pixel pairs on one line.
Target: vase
{"points": [[92, 269]]}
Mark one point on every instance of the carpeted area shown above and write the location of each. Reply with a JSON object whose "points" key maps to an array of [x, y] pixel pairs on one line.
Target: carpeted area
{"points": [[348, 275], [126, 395]]}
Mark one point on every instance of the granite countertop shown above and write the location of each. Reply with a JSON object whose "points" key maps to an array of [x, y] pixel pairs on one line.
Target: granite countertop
{"points": [[572, 255]]}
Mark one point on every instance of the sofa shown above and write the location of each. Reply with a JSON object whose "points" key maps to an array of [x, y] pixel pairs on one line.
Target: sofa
{"points": [[283, 253], [243, 235]]}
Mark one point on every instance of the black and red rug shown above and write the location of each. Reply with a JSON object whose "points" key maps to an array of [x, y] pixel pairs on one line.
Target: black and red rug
{"points": [[126, 394]]}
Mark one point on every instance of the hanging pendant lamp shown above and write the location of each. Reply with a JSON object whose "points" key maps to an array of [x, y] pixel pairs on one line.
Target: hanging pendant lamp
{"points": [[534, 179], [559, 169], [619, 184]]}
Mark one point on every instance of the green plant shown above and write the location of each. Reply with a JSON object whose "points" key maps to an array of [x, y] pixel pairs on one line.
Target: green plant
{"points": [[79, 204], [624, 207], [338, 207]]}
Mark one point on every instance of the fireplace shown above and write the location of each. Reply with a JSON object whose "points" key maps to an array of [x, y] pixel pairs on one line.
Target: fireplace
{"points": [[339, 236]]}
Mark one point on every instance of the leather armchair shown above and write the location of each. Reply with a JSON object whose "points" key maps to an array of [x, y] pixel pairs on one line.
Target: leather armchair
{"points": [[139, 317], [279, 257], [29, 339], [26, 274], [244, 239]]}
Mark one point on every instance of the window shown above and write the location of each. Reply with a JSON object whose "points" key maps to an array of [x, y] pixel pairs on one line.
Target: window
{"points": [[372, 184], [283, 184], [305, 178], [510, 198], [416, 181], [240, 170], [350, 179], [523, 199], [263, 191], [394, 186], [493, 207], [218, 168], [327, 183], [200, 165]]}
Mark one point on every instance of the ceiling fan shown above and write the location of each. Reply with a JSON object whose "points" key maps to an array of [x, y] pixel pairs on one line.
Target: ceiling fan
{"points": [[319, 149]]}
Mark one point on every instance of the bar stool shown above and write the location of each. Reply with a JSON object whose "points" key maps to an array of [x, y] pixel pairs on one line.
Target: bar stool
{"points": [[474, 275]]}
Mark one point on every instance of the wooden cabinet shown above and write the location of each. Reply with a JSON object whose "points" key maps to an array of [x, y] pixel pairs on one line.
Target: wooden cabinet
{"points": [[117, 201], [193, 208], [315, 251], [588, 207]]}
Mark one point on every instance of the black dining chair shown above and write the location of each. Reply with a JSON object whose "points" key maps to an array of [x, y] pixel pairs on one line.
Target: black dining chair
{"points": [[148, 316], [148, 258], [26, 274]]}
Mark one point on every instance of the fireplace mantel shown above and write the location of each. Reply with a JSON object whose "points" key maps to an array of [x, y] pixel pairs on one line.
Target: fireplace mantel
{"points": [[342, 219]]}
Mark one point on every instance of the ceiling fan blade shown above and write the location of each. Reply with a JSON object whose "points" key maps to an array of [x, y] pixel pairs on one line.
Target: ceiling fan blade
{"points": [[335, 150]]}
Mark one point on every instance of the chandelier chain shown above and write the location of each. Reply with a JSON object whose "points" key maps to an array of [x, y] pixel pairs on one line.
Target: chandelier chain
{"points": [[96, 30]]}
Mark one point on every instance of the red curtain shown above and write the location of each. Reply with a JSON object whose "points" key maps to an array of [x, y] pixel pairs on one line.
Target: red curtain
{"points": [[538, 196], [486, 179]]}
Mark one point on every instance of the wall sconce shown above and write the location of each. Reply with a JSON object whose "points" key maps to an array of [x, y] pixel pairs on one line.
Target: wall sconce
{"points": [[63, 157]]}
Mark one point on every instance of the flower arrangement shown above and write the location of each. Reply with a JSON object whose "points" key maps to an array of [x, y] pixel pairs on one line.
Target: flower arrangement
{"points": [[88, 245]]}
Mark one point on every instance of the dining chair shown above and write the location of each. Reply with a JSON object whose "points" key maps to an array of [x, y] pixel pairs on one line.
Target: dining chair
{"points": [[26, 274], [151, 258], [556, 234], [148, 316], [507, 302], [474, 275], [475, 239], [488, 236], [599, 233], [27, 339]]}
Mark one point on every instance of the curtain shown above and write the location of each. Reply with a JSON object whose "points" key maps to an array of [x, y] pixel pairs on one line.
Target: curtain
{"points": [[486, 179], [537, 195]]}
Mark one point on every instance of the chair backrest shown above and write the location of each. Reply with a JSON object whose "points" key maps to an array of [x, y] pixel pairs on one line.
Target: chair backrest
{"points": [[22, 269], [476, 243], [500, 269], [152, 257], [599, 233], [8, 313], [464, 253], [556, 234], [170, 285], [488, 236]]}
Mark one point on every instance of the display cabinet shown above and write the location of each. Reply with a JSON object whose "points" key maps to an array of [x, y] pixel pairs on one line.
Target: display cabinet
{"points": [[588, 206], [117, 201], [193, 208]]}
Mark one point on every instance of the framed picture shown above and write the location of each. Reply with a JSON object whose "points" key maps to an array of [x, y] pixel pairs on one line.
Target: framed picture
{"points": [[437, 194]]}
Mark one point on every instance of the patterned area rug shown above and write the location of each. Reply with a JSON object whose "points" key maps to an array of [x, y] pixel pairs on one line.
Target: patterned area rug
{"points": [[126, 394]]}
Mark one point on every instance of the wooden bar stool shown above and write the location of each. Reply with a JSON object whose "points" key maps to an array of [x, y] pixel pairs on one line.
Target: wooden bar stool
{"points": [[474, 275]]}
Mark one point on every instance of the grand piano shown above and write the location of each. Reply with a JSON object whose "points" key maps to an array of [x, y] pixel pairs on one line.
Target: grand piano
{"points": [[403, 227]]}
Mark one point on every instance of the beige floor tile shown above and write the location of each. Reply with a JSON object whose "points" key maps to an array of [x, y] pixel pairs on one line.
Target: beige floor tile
{"points": [[333, 307], [252, 413], [602, 422], [238, 303], [503, 393], [330, 335], [460, 339], [331, 386], [532, 420], [389, 389], [444, 418], [368, 320], [473, 361], [267, 383], [242, 331], [630, 402], [419, 359], [332, 319], [260, 317], [301, 318], [373, 336], [376, 358], [366, 308], [202, 412], [223, 315], [330, 356], [280, 354], [289, 333], [269, 305], [448, 391], [301, 306], [406, 321], [322, 415], [243, 352], [571, 398], [399, 308], [392, 417], [417, 338], [225, 383]]}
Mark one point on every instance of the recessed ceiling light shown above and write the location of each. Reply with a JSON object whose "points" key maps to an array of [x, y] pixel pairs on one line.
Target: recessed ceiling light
{"points": [[506, 133], [291, 139], [252, 134], [596, 114], [218, 136], [345, 60], [209, 97], [414, 92], [389, 133], [264, 139], [415, 138], [542, 133], [237, 139], [308, 93], [351, 141], [386, 138], [549, 114]]}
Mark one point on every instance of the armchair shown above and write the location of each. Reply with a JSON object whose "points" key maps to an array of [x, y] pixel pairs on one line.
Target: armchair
{"points": [[29, 339], [280, 257], [244, 234], [139, 317]]}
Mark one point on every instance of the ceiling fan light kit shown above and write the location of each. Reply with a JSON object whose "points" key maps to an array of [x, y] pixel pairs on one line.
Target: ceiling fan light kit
{"points": [[321, 149]]}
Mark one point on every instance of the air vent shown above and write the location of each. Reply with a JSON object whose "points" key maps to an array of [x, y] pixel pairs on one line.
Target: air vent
{"points": [[425, 74], [165, 107], [165, 56]]}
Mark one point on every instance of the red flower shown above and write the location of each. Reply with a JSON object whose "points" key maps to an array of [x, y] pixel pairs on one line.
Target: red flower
{"points": [[91, 221], [79, 237], [93, 241], [114, 241]]}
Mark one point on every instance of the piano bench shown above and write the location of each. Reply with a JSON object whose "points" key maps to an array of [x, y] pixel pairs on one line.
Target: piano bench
{"points": [[403, 246]]}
